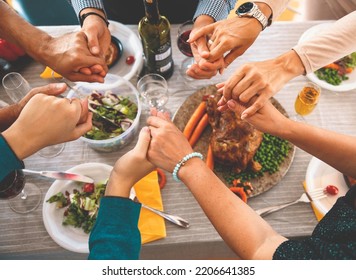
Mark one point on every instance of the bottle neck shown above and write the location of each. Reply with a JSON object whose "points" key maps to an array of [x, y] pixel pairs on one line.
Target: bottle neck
{"points": [[151, 10]]}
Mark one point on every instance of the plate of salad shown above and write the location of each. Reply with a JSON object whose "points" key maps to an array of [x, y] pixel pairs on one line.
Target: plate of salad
{"points": [[338, 76], [70, 208]]}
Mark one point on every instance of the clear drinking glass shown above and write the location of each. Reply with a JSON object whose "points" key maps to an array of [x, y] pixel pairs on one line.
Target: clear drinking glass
{"points": [[153, 89], [17, 87], [306, 100]]}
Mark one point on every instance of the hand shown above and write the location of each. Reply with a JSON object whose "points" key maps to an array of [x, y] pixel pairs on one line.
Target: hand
{"points": [[168, 144], [232, 36], [48, 120], [9, 114], [99, 38], [69, 56], [267, 119], [131, 167], [203, 69], [261, 80]]}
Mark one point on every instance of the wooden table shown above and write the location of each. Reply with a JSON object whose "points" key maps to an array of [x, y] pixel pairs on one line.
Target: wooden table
{"points": [[25, 237]]}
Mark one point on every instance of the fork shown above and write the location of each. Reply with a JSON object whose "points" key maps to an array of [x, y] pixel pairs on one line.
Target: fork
{"points": [[172, 218], [306, 197]]}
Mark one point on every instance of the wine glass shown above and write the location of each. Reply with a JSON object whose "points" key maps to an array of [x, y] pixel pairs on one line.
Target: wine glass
{"points": [[23, 197], [306, 100], [184, 31], [17, 87], [153, 89]]}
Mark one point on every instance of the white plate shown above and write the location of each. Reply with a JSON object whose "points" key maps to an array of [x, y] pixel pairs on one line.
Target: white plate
{"points": [[347, 85], [319, 175], [131, 46], [68, 237]]}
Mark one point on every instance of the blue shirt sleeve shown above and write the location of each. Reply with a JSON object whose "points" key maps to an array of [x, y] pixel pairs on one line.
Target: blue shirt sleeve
{"points": [[217, 9], [115, 235], [8, 160]]}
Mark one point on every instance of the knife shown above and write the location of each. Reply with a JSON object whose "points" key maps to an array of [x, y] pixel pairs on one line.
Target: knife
{"points": [[61, 175]]}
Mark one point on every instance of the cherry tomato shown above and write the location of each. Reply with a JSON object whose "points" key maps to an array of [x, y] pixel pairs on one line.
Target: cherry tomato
{"points": [[130, 60], [331, 189], [88, 187]]}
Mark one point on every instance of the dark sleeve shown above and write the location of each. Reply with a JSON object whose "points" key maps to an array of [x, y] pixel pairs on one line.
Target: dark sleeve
{"points": [[8, 160], [334, 237], [115, 235]]}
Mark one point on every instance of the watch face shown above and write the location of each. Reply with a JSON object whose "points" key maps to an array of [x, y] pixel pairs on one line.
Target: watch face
{"points": [[245, 8]]}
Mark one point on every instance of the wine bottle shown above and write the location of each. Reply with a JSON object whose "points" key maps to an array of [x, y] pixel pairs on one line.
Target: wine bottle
{"points": [[154, 31]]}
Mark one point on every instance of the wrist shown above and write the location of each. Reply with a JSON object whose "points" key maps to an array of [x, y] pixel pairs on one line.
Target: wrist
{"points": [[184, 162], [118, 186], [291, 64], [15, 140], [266, 10], [92, 13]]}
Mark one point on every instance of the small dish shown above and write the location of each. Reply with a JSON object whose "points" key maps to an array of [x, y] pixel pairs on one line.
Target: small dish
{"points": [[131, 46]]}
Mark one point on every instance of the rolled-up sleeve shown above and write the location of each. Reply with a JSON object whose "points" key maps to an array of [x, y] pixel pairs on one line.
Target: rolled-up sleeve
{"points": [[329, 45]]}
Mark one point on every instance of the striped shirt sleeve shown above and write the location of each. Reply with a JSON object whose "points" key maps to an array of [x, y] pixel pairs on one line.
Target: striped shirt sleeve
{"points": [[217, 9], [79, 5]]}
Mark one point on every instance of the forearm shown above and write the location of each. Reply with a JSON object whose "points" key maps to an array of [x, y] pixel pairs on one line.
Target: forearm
{"points": [[277, 7], [336, 42], [330, 147], [16, 30], [241, 228]]}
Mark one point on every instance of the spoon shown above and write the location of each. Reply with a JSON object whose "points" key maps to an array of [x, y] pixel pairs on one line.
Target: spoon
{"points": [[172, 218]]}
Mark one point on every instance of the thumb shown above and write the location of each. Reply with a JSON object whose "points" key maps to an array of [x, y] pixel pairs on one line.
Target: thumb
{"points": [[93, 44], [143, 142]]}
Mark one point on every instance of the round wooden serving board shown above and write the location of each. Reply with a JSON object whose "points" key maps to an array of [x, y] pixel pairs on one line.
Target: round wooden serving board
{"points": [[261, 184]]}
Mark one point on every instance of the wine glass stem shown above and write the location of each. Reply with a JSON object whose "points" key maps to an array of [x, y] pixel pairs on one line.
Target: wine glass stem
{"points": [[23, 195]]}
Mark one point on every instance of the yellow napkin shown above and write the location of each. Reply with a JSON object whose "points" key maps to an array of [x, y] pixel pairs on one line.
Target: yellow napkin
{"points": [[151, 226], [48, 73], [317, 213]]}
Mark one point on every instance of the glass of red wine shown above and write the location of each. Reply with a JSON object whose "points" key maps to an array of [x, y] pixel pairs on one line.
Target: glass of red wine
{"points": [[23, 197], [183, 35]]}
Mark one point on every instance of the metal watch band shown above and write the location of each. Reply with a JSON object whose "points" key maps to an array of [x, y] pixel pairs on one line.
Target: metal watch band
{"points": [[261, 18]]}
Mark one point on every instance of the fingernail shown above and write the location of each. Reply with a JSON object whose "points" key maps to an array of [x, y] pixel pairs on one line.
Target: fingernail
{"points": [[60, 85], [95, 50], [243, 116], [231, 104]]}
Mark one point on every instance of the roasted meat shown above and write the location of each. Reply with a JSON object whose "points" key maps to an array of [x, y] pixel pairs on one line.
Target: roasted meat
{"points": [[234, 142]]}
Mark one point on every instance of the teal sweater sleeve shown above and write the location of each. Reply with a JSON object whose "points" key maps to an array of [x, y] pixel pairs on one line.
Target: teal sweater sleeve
{"points": [[8, 160], [115, 235]]}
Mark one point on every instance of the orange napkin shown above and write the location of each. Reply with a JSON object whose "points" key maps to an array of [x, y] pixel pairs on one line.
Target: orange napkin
{"points": [[317, 213], [151, 226], [48, 73]]}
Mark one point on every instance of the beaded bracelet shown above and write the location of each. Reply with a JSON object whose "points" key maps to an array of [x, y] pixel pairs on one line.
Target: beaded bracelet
{"points": [[182, 162]]}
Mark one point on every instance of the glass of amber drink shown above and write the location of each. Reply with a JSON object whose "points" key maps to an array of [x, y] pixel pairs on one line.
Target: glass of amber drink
{"points": [[306, 100]]}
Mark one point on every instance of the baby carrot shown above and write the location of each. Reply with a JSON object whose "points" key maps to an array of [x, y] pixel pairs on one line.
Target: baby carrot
{"points": [[239, 191], [194, 119], [210, 158], [199, 129], [332, 66]]}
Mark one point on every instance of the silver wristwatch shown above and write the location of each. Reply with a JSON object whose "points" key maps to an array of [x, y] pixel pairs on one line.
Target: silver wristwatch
{"points": [[250, 9]]}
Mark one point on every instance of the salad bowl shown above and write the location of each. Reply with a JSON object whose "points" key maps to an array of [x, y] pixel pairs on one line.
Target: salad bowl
{"points": [[116, 99]]}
